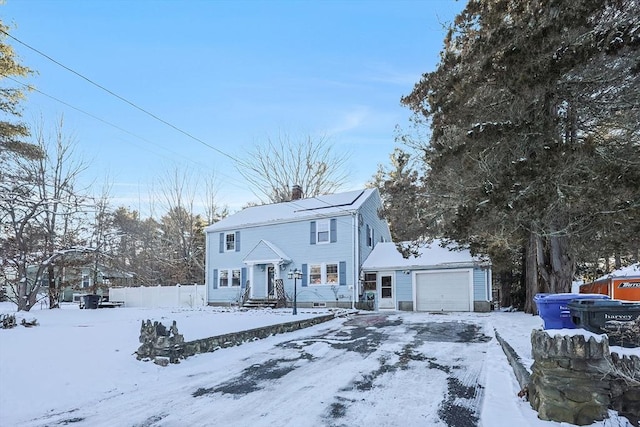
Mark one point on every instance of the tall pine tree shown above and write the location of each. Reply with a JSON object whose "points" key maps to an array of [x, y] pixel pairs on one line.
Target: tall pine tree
{"points": [[535, 126]]}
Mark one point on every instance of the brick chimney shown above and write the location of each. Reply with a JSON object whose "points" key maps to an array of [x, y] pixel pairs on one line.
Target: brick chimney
{"points": [[296, 192]]}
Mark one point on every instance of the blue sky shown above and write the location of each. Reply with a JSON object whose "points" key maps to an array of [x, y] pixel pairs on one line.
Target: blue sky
{"points": [[230, 73]]}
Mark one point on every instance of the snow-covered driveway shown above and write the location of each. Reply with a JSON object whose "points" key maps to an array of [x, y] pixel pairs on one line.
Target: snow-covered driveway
{"points": [[408, 369]]}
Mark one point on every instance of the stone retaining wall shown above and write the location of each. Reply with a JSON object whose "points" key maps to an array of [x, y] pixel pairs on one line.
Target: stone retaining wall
{"points": [[576, 380], [165, 345]]}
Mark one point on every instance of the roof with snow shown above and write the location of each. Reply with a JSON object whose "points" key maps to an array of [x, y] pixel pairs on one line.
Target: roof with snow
{"points": [[385, 256], [632, 270], [320, 206]]}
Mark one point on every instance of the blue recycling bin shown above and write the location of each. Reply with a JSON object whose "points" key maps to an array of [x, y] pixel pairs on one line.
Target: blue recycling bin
{"points": [[554, 308]]}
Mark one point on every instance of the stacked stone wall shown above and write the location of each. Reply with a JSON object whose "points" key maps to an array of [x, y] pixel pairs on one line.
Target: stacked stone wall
{"points": [[576, 380], [165, 345]]}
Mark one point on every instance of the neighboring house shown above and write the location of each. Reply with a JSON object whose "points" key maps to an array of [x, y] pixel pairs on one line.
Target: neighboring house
{"points": [[76, 279], [80, 279], [326, 238], [622, 284], [438, 279], [91, 279]]}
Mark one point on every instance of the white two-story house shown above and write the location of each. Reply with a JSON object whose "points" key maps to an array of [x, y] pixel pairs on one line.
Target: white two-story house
{"points": [[325, 238]]}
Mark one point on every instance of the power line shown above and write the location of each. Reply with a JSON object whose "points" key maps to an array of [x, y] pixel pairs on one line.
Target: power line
{"points": [[93, 116], [110, 92]]}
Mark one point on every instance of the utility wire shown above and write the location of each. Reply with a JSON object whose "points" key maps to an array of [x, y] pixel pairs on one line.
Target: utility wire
{"points": [[123, 99], [128, 102], [93, 116]]}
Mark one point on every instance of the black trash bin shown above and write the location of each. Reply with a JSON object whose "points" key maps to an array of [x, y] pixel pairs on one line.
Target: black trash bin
{"points": [[612, 317], [91, 301]]}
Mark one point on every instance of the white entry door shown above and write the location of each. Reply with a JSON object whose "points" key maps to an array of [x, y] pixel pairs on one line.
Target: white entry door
{"points": [[386, 292]]}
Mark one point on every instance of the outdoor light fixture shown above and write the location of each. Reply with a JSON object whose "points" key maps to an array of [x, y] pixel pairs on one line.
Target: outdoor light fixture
{"points": [[295, 275]]}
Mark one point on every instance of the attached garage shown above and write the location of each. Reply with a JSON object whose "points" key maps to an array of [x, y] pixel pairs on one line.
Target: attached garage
{"points": [[443, 290], [439, 278]]}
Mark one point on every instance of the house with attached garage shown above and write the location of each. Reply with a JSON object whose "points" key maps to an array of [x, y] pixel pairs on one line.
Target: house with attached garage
{"points": [[251, 254], [343, 255], [437, 278]]}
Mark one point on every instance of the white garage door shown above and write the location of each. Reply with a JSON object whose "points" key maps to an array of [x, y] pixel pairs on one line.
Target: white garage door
{"points": [[443, 291]]}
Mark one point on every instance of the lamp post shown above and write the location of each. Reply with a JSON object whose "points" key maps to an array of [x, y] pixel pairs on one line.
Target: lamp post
{"points": [[295, 275]]}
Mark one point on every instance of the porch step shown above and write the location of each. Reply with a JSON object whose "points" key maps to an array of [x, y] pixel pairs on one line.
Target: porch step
{"points": [[260, 303]]}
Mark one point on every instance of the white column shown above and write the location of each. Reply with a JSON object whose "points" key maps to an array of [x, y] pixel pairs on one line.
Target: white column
{"points": [[251, 281]]}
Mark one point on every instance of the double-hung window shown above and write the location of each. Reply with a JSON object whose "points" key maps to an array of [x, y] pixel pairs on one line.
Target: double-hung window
{"points": [[315, 274], [332, 274], [228, 277], [370, 281], [323, 274], [323, 231], [230, 242]]}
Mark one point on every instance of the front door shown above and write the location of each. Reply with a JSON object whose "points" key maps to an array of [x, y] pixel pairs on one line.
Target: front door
{"points": [[386, 291], [270, 282]]}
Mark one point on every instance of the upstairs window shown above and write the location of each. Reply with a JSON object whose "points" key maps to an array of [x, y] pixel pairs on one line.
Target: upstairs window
{"points": [[230, 242], [323, 232]]}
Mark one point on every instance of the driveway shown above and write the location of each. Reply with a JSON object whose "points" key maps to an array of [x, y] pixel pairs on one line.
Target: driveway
{"points": [[408, 369]]}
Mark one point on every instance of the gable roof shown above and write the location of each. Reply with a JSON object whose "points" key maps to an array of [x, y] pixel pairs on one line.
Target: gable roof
{"points": [[385, 256], [264, 252], [632, 270], [296, 210]]}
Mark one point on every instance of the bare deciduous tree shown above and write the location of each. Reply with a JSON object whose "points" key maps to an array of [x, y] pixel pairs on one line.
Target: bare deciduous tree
{"points": [[56, 174], [312, 163], [40, 209]]}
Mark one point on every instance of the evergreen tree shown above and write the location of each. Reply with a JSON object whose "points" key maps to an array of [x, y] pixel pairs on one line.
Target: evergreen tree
{"points": [[12, 133], [535, 125]]}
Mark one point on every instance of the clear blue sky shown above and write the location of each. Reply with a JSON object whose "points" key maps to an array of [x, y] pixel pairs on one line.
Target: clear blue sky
{"points": [[230, 73]]}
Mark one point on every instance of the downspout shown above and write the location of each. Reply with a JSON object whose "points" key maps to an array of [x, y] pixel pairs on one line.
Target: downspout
{"points": [[206, 268], [490, 284], [356, 258]]}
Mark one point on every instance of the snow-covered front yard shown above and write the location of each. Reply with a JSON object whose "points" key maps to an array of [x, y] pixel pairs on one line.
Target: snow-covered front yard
{"points": [[76, 359]]}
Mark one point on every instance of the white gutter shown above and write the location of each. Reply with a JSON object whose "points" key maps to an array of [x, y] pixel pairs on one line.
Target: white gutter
{"points": [[356, 258]]}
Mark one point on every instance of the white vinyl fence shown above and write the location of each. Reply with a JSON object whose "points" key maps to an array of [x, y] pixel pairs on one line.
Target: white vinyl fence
{"points": [[160, 296]]}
